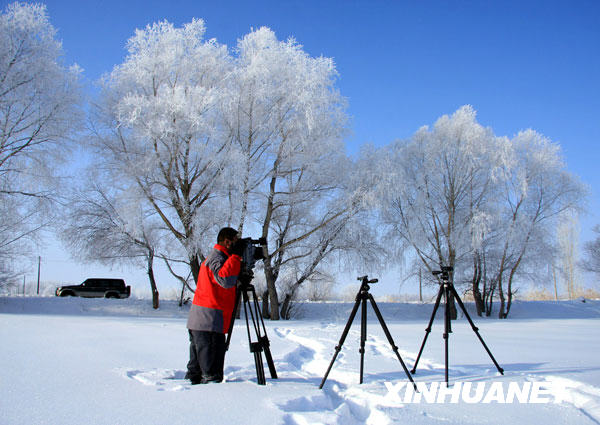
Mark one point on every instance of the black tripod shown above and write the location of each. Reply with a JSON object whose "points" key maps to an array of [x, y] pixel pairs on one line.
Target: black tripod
{"points": [[447, 289], [361, 298], [251, 309]]}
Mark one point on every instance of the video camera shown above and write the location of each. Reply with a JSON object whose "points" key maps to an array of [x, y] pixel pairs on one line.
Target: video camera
{"points": [[254, 249]]}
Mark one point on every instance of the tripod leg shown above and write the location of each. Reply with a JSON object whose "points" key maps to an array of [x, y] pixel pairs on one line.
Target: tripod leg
{"points": [[266, 347], [476, 329], [342, 339], [232, 321], [446, 331], [245, 303], [256, 349], [264, 340], [363, 337], [387, 333], [428, 329]]}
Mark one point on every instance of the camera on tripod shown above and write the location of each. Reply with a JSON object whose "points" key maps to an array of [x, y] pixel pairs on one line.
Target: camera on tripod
{"points": [[365, 279], [445, 272], [254, 249]]}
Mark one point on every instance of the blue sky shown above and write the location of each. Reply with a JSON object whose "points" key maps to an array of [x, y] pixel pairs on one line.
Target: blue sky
{"points": [[402, 64]]}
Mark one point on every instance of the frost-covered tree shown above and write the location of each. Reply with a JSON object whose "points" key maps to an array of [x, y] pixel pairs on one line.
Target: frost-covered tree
{"points": [[13, 241], [437, 187], [39, 109], [287, 121], [591, 262], [350, 242], [568, 243], [112, 227], [534, 190], [462, 197], [159, 127], [251, 139]]}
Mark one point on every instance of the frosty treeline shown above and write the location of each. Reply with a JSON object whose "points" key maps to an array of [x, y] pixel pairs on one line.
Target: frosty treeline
{"points": [[188, 135]]}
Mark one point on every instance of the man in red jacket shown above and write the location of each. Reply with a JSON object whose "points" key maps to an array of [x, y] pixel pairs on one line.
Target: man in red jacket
{"points": [[213, 305]]}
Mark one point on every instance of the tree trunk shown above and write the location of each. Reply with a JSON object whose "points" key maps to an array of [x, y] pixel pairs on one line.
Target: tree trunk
{"points": [[479, 303], [509, 291], [508, 303], [477, 297], [285, 306], [489, 296], [195, 267], [265, 304], [273, 299], [154, 289], [451, 302], [501, 313], [289, 299], [489, 289], [182, 294], [452, 307]]}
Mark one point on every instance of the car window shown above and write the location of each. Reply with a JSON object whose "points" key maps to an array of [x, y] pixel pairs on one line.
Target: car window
{"points": [[104, 283]]}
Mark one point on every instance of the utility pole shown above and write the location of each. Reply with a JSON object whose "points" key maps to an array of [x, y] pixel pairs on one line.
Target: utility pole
{"points": [[23, 285], [420, 287], [555, 286], [39, 266]]}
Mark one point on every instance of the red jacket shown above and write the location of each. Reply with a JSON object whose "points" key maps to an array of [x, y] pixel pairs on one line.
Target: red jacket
{"points": [[215, 292]]}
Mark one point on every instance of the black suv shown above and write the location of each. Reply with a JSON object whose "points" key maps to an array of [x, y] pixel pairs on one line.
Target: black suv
{"points": [[96, 288]]}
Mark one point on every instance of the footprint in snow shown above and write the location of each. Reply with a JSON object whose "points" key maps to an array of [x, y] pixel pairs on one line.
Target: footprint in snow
{"points": [[162, 379]]}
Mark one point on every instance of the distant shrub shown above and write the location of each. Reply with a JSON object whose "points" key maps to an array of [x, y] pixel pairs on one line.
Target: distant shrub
{"points": [[537, 294]]}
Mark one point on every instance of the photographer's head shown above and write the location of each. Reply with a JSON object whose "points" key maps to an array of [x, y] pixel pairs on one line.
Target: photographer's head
{"points": [[227, 237]]}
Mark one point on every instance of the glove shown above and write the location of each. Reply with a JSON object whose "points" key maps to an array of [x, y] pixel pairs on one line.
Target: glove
{"points": [[238, 247]]}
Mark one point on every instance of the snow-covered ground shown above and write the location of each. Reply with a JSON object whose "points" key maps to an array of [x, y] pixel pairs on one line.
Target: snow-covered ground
{"points": [[96, 361]]}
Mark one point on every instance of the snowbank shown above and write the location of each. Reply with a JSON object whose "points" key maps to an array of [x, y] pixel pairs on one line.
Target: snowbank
{"points": [[330, 311]]}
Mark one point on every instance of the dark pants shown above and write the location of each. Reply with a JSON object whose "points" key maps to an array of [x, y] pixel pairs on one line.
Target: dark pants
{"points": [[207, 355]]}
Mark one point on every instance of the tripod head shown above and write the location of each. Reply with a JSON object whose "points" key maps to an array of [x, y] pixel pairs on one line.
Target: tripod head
{"points": [[364, 287], [365, 279], [244, 280], [445, 273]]}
